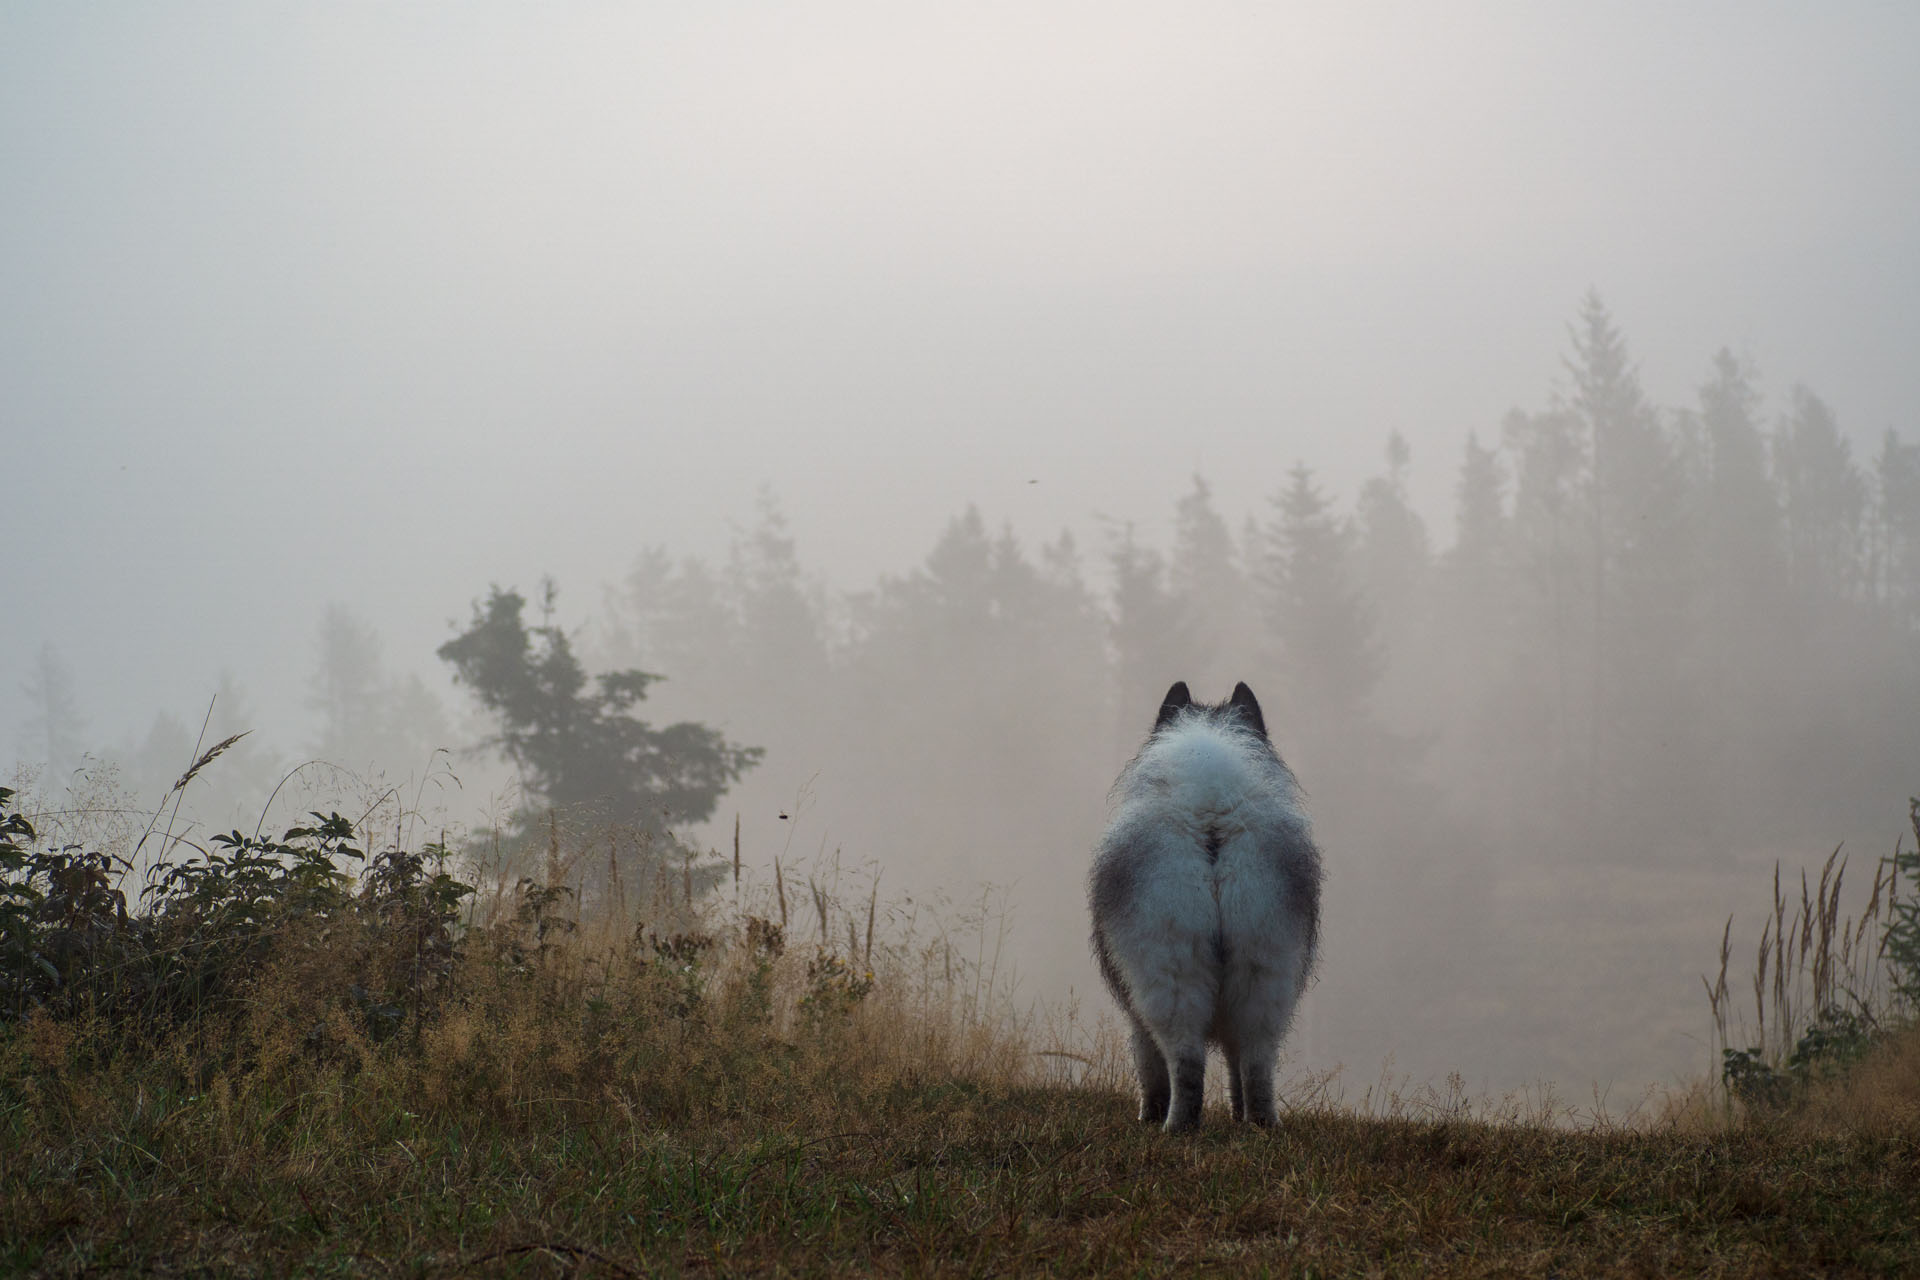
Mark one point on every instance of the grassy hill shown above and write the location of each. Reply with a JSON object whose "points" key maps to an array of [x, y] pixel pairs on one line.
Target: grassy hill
{"points": [[920, 1178], [266, 1065]]}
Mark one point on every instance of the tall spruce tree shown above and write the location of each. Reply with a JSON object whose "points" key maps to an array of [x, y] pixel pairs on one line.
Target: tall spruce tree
{"points": [[1151, 634], [1207, 578], [1824, 499], [1742, 511], [1486, 759], [369, 719], [1477, 560], [1321, 625], [977, 677], [1393, 565], [1552, 584], [1739, 645], [1393, 556], [1896, 497], [55, 729], [1644, 568]]}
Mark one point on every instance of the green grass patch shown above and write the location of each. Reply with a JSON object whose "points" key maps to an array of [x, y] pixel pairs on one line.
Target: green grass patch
{"points": [[929, 1179]]}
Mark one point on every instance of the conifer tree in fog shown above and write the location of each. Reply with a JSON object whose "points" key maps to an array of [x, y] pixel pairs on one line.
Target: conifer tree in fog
{"points": [[1152, 634], [1392, 553], [368, 719], [577, 743], [1392, 566], [976, 677], [1742, 571], [1896, 555], [1477, 564], [1320, 626], [156, 762], [55, 730], [1824, 500], [1207, 577], [1552, 581], [780, 650], [234, 791], [1474, 639], [345, 684], [1644, 569], [1743, 515]]}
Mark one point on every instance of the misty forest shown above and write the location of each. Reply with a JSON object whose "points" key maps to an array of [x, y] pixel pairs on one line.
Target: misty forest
{"points": [[729, 874], [951, 641], [1664, 648]]}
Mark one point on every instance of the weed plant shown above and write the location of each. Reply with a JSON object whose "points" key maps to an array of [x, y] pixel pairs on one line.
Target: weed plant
{"points": [[1829, 990]]}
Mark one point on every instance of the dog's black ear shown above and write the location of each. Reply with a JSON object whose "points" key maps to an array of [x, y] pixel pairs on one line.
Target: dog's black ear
{"points": [[1248, 706], [1171, 706]]}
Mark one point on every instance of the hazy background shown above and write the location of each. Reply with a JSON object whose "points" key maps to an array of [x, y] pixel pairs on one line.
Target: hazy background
{"points": [[373, 306]]}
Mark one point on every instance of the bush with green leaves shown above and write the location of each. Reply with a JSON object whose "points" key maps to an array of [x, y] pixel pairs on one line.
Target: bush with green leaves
{"points": [[208, 923], [62, 919], [1837, 1039], [1901, 941]]}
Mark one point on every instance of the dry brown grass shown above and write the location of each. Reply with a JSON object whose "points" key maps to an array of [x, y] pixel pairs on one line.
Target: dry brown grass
{"points": [[1880, 1094], [638, 1079]]}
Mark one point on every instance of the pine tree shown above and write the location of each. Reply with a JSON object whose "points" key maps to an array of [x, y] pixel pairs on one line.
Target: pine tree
{"points": [[55, 730], [579, 746], [1393, 557], [345, 688], [1824, 500], [978, 677], [1644, 567], [782, 646], [1486, 761], [1321, 625], [1150, 633], [1897, 521], [235, 789], [1740, 646], [1479, 556], [1207, 580], [369, 720], [1743, 513], [1552, 582], [1392, 565]]}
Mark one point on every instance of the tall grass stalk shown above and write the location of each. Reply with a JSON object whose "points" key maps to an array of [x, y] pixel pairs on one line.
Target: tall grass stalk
{"points": [[1821, 985]]}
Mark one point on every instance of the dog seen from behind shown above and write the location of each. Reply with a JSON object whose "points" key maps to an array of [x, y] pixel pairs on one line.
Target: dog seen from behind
{"points": [[1205, 894]]}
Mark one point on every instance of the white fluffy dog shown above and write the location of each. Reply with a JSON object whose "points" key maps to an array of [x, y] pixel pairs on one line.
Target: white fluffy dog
{"points": [[1205, 893]]}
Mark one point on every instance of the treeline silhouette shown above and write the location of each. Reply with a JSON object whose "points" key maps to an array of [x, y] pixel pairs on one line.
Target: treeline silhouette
{"points": [[1661, 640], [1657, 632]]}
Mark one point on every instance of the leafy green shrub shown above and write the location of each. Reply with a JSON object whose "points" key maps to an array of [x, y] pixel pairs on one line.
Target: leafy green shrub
{"points": [[411, 906], [61, 918], [1901, 941], [1836, 1040], [382, 946], [271, 976], [217, 913]]}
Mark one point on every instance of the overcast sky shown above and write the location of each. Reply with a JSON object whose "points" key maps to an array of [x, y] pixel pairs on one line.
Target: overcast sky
{"points": [[380, 303]]}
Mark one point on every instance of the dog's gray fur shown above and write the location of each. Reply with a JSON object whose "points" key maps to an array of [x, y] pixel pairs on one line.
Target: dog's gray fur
{"points": [[1205, 894]]}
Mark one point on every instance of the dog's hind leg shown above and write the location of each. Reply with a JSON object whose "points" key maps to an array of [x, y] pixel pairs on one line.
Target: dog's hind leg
{"points": [[1253, 1082], [1156, 1090], [1189, 1086]]}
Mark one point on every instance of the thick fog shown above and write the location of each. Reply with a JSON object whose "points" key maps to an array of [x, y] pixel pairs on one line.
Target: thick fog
{"points": [[1522, 401]]}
